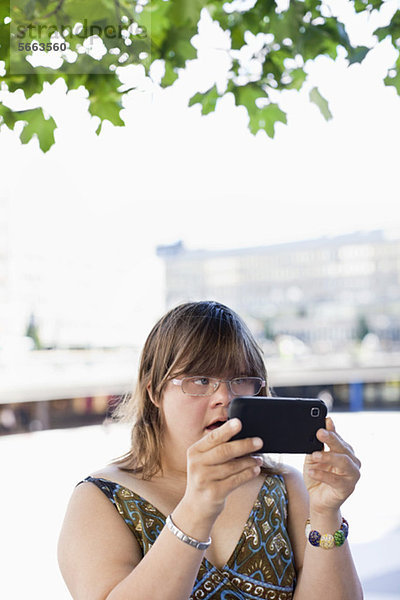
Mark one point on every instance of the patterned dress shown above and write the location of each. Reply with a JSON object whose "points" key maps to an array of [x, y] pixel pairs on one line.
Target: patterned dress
{"points": [[261, 565]]}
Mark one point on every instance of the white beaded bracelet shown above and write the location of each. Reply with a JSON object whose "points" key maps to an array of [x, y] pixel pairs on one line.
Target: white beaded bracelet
{"points": [[186, 538]]}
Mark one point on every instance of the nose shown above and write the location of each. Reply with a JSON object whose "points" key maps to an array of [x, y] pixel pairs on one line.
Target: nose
{"points": [[222, 396]]}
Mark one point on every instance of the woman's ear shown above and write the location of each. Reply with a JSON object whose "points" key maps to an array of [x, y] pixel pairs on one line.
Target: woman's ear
{"points": [[148, 388]]}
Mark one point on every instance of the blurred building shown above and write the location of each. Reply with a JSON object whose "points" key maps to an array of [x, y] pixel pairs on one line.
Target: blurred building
{"points": [[21, 275], [325, 292]]}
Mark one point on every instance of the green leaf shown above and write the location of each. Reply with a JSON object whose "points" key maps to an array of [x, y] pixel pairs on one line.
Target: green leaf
{"points": [[368, 5], [394, 81], [37, 125], [4, 11], [394, 78], [247, 95], [170, 75], [155, 19], [265, 118], [320, 40], [4, 30], [72, 80], [177, 48], [185, 11], [4, 41], [208, 100], [104, 99], [7, 117], [33, 85], [92, 12], [322, 104], [393, 29], [298, 78], [196, 99], [237, 36], [357, 55]]}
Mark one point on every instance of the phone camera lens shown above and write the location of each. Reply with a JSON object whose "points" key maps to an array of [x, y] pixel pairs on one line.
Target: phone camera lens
{"points": [[315, 412]]}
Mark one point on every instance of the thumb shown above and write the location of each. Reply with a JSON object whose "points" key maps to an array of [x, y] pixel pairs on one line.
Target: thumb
{"points": [[329, 424]]}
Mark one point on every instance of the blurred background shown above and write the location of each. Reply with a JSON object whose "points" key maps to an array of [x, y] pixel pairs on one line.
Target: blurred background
{"points": [[101, 235]]}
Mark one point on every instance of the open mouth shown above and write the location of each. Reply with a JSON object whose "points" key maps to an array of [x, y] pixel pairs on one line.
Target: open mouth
{"points": [[215, 425]]}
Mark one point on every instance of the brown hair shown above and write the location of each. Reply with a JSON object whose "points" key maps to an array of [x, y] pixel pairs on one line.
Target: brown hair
{"points": [[194, 338]]}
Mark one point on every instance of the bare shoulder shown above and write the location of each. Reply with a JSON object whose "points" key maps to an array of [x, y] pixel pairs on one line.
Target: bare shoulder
{"points": [[110, 472], [96, 549], [294, 482], [296, 490]]}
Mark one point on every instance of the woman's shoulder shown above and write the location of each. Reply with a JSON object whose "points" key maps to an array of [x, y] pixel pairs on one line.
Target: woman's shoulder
{"points": [[109, 472], [286, 474], [296, 491], [104, 479], [292, 479], [92, 527], [114, 477]]}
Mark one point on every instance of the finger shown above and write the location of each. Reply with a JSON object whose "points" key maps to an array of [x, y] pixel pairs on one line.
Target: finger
{"points": [[237, 479], [235, 466], [220, 435], [340, 483], [335, 443], [232, 450], [218, 446], [339, 463], [333, 439], [330, 425]]}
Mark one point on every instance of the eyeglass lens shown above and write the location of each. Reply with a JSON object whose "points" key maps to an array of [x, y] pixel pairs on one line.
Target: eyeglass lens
{"points": [[205, 386]]}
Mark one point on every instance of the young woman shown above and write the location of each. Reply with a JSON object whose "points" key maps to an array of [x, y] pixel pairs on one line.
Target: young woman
{"points": [[190, 513]]}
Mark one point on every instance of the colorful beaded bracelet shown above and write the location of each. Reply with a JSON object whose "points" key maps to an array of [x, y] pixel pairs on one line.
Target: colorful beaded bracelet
{"points": [[327, 540]]}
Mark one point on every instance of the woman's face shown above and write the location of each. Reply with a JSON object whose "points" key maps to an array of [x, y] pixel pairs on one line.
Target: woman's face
{"points": [[188, 418]]}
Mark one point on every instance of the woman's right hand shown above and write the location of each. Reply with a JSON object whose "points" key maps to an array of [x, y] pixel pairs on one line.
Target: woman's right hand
{"points": [[217, 466]]}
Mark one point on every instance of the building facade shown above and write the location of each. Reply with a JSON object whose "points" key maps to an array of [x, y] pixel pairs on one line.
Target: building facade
{"points": [[323, 291]]}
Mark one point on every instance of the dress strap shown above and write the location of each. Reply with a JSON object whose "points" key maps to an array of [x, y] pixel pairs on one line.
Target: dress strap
{"points": [[109, 488]]}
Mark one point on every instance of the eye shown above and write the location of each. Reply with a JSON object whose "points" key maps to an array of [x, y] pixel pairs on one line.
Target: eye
{"points": [[200, 381]]}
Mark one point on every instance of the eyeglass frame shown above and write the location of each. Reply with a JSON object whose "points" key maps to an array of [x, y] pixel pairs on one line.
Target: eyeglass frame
{"points": [[179, 382]]}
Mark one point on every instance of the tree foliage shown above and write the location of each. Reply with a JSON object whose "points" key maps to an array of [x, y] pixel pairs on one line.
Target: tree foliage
{"points": [[144, 31]]}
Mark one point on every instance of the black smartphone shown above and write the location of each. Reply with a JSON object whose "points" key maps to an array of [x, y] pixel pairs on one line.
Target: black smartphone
{"points": [[286, 425]]}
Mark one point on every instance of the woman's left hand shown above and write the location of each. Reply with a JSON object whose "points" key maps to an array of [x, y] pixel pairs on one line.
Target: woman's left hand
{"points": [[330, 476]]}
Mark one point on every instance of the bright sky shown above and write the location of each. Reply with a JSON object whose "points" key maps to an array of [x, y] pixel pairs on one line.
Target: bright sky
{"points": [[170, 174]]}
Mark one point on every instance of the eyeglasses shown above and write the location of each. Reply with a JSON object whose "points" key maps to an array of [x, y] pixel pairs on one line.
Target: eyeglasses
{"points": [[199, 385]]}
